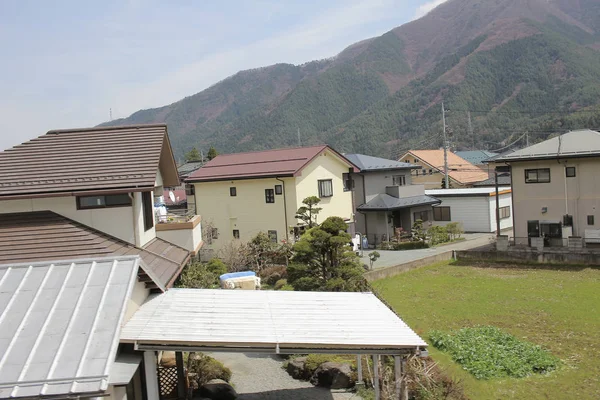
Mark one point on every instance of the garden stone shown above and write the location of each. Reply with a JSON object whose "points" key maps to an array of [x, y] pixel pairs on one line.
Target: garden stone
{"points": [[296, 368], [333, 375], [217, 389]]}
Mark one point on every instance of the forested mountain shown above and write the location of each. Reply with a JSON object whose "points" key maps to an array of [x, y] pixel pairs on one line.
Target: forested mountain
{"points": [[516, 66]]}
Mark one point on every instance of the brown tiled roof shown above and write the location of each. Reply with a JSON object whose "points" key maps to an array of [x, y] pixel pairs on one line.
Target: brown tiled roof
{"points": [[260, 164], [47, 236], [459, 169], [95, 159]]}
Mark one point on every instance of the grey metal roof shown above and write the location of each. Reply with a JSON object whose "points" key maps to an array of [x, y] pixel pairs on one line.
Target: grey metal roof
{"points": [[95, 159], [369, 163], [189, 167], [503, 180], [385, 202], [60, 324], [475, 157], [582, 143]]}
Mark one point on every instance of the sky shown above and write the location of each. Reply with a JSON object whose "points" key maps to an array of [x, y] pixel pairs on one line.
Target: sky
{"points": [[68, 63]]}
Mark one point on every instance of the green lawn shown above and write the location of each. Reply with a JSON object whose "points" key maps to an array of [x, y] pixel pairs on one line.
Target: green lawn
{"points": [[557, 309]]}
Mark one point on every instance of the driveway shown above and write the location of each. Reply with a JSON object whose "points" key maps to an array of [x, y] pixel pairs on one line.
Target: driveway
{"points": [[262, 377], [391, 258]]}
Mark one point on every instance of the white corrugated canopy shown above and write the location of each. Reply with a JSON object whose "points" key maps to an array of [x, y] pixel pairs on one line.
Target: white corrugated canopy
{"points": [[269, 321]]}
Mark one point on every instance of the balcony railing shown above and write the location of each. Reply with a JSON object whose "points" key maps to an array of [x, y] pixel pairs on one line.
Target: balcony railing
{"points": [[175, 217]]}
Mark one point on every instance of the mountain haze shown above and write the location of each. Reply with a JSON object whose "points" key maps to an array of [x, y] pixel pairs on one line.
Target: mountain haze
{"points": [[517, 65]]}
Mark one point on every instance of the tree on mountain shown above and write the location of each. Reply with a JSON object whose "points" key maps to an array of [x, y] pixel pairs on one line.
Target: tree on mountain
{"points": [[212, 153], [323, 260], [308, 212], [193, 155]]}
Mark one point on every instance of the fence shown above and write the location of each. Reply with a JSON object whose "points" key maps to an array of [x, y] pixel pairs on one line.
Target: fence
{"points": [[167, 382]]}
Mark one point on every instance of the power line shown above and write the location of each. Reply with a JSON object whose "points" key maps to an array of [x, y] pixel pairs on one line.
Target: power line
{"points": [[566, 112]]}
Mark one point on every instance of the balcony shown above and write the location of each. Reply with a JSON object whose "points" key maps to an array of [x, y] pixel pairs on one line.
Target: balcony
{"points": [[181, 227], [405, 191]]}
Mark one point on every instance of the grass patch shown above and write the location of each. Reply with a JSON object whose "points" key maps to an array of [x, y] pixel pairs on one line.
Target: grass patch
{"points": [[487, 352], [558, 309]]}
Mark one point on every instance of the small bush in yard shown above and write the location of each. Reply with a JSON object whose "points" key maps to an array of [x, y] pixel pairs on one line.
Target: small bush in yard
{"points": [[279, 284], [207, 368], [487, 352]]}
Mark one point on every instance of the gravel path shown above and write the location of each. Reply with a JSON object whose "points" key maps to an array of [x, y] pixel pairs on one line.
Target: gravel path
{"points": [[261, 377]]}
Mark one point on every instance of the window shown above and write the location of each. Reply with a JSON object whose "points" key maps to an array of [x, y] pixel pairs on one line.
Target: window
{"points": [[398, 180], [236, 233], [233, 191], [111, 200], [148, 210], [214, 233], [590, 220], [424, 172], [348, 182], [441, 214], [422, 215], [278, 189], [416, 161], [190, 190], [430, 172], [504, 212], [541, 175], [325, 188], [272, 236], [269, 195], [570, 172], [551, 230]]}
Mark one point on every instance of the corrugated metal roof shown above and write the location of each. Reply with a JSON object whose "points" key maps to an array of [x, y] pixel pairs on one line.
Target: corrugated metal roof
{"points": [[475, 157], [44, 235], [480, 191], [269, 319], [582, 143], [369, 163], [385, 202], [503, 180], [88, 159], [60, 323], [260, 164], [189, 167], [459, 170]]}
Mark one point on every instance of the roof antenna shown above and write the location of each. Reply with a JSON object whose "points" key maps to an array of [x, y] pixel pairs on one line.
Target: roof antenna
{"points": [[110, 114]]}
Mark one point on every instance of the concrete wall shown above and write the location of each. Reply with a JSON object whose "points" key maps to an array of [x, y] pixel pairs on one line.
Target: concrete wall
{"points": [[247, 211], [186, 234], [582, 194], [326, 166], [532, 256], [376, 182], [115, 221], [405, 267], [139, 294], [476, 213]]}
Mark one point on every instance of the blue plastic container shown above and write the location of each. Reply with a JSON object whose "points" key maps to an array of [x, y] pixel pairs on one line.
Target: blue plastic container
{"points": [[231, 275]]}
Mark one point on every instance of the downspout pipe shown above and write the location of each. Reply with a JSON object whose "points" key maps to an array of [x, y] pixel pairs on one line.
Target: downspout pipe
{"points": [[285, 216]]}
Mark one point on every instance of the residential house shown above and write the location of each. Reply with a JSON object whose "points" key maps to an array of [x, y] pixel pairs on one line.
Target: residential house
{"points": [[432, 174], [479, 159], [556, 188], [385, 197], [106, 178], [473, 208], [247, 193]]}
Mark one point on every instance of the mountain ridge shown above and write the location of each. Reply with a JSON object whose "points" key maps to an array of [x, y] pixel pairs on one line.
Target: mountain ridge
{"points": [[386, 91]]}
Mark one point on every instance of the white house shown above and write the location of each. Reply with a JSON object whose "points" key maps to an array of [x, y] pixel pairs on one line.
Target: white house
{"points": [[474, 208]]}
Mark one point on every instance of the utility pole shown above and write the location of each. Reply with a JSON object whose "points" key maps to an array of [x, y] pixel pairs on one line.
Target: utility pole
{"points": [[446, 182], [110, 114], [527, 138], [299, 141], [201, 155], [471, 129]]}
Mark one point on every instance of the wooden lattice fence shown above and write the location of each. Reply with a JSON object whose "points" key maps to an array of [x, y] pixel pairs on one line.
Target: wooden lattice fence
{"points": [[167, 382]]}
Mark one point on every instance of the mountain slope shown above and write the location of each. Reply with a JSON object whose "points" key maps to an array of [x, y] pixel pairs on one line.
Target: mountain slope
{"points": [[517, 65]]}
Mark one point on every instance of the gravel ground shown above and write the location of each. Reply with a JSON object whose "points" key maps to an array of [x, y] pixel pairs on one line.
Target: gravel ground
{"points": [[261, 377]]}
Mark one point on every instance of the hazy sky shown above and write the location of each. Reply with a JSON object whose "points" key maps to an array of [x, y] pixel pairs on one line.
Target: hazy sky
{"points": [[65, 63]]}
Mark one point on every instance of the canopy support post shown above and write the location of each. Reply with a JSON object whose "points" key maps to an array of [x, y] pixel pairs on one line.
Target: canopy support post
{"points": [[181, 386], [376, 377], [398, 373], [359, 369], [151, 375]]}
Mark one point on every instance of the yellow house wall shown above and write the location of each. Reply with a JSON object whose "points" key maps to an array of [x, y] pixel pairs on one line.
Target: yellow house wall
{"points": [[326, 166], [582, 194], [248, 211]]}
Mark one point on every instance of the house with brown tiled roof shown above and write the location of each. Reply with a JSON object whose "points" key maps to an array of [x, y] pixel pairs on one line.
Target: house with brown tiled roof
{"points": [[461, 173], [246, 193], [107, 179]]}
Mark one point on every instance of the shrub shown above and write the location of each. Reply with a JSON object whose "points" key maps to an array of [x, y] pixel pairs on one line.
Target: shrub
{"points": [[217, 267], [455, 230], [487, 352], [437, 235], [287, 288], [410, 246], [198, 276], [207, 368], [279, 284], [271, 275]]}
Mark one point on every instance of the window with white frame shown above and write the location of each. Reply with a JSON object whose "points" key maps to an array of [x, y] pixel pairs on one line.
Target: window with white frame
{"points": [[398, 180]]}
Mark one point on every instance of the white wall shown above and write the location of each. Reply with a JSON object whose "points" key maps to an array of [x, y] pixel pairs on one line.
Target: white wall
{"points": [[476, 213], [505, 201], [189, 236], [142, 237], [115, 221], [139, 294]]}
